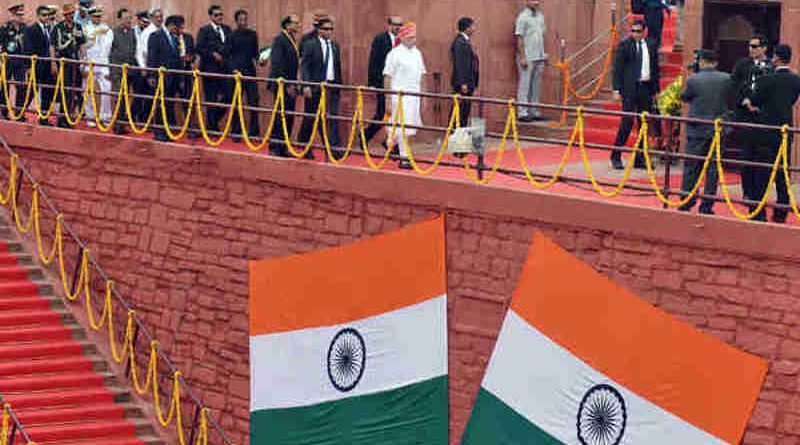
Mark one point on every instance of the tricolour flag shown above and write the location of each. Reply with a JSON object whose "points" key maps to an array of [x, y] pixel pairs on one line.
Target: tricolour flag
{"points": [[580, 360], [348, 345]]}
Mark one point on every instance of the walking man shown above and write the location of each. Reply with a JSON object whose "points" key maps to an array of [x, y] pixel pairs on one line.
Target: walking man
{"points": [[162, 51], [381, 45], [773, 102], [37, 42], [466, 68], [322, 62], [243, 51], [98, 48], [284, 62], [531, 58], [211, 40], [707, 94], [404, 71], [123, 50], [635, 82], [654, 19]]}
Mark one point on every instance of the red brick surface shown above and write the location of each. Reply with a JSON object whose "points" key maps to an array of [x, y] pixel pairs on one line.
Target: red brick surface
{"points": [[176, 226]]}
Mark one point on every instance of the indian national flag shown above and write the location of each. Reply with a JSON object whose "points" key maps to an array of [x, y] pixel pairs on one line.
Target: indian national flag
{"points": [[348, 345], [580, 360]]}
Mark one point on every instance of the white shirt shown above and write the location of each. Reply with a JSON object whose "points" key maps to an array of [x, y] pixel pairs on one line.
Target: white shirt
{"points": [[327, 45], [393, 38], [98, 42], [405, 66], [645, 74], [141, 45], [219, 31], [465, 36], [531, 28]]}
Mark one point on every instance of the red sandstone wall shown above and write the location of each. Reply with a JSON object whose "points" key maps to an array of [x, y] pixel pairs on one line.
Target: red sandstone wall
{"points": [[176, 225]]}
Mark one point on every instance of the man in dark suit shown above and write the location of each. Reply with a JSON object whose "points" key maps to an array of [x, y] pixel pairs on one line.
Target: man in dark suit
{"points": [[635, 81], [773, 102], [37, 42], [381, 45], [745, 75], [284, 62], [211, 40], [322, 63], [654, 20], [163, 51], [185, 82], [243, 53], [466, 69], [707, 94], [313, 33]]}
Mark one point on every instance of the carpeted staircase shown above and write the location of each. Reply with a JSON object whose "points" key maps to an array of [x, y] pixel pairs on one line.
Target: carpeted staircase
{"points": [[62, 390], [603, 129]]}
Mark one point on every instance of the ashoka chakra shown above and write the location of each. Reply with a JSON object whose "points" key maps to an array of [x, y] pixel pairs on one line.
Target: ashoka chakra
{"points": [[347, 357], [602, 416]]}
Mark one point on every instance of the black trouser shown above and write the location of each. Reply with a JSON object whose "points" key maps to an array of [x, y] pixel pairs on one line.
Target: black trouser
{"points": [[170, 92], [746, 141], [464, 108], [184, 88], [250, 90], [73, 86], [216, 90], [46, 81], [637, 102], [380, 113], [311, 106], [699, 146], [654, 18], [142, 106], [766, 152], [15, 71], [116, 87], [279, 148]]}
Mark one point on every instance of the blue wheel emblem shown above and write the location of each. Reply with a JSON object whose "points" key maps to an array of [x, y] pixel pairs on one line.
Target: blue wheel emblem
{"points": [[601, 416], [347, 358]]}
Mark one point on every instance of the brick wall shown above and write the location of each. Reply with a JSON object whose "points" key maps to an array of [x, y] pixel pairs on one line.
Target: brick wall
{"points": [[175, 226]]}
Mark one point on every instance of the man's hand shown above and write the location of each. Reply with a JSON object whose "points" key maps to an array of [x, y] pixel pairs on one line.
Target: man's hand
{"points": [[464, 89], [307, 92], [217, 57], [523, 63], [616, 96], [749, 106]]}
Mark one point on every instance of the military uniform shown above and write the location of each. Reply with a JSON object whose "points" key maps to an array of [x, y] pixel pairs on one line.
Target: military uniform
{"points": [[68, 39], [11, 35]]}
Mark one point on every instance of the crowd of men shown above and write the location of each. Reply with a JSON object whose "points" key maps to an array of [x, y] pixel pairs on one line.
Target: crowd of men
{"points": [[758, 91]]}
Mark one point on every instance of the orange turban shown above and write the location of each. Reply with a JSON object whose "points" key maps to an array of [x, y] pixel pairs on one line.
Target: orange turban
{"points": [[408, 30]]}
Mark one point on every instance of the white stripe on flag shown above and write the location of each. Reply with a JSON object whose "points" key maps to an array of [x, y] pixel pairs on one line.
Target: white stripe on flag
{"points": [[545, 383], [404, 346]]}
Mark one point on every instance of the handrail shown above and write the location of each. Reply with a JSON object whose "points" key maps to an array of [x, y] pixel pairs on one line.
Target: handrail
{"points": [[7, 437], [606, 32], [140, 327]]}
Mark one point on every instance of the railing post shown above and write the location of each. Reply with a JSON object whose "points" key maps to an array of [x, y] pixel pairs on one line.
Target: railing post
{"points": [[613, 13], [78, 263], [194, 424], [13, 433], [667, 148], [18, 187], [129, 366]]}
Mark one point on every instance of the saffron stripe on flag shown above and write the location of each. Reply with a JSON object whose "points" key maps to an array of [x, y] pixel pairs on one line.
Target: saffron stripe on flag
{"points": [[695, 376], [409, 275]]}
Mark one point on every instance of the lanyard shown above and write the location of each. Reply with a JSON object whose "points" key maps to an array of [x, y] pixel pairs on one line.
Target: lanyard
{"points": [[293, 42]]}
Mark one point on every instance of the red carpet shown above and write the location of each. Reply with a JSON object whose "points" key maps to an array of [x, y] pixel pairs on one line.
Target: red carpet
{"points": [[45, 373]]}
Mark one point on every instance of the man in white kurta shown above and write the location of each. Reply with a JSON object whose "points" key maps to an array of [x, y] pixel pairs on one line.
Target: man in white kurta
{"points": [[98, 47], [404, 69]]}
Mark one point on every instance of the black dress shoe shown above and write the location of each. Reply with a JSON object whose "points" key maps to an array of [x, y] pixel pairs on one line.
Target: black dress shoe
{"points": [[616, 164], [526, 119], [309, 155], [405, 165], [45, 123], [62, 123], [779, 218]]}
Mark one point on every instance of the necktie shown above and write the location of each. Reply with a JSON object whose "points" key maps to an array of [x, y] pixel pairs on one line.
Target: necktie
{"points": [[170, 39], [220, 33]]}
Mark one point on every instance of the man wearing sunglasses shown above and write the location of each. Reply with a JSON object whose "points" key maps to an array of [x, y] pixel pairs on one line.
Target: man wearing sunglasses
{"points": [[211, 46], [745, 76], [635, 83], [37, 41]]}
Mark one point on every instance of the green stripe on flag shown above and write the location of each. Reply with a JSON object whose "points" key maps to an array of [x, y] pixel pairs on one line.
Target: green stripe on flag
{"points": [[494, 423], [412, 414]]}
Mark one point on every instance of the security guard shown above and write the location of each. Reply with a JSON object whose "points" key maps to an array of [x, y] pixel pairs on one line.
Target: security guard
{"points": [[11, 34], [68, 38]]}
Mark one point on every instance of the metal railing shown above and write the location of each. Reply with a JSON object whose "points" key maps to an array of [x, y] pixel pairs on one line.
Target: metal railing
{"points": [[142, 335], [14, 429], [592, 46]]}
